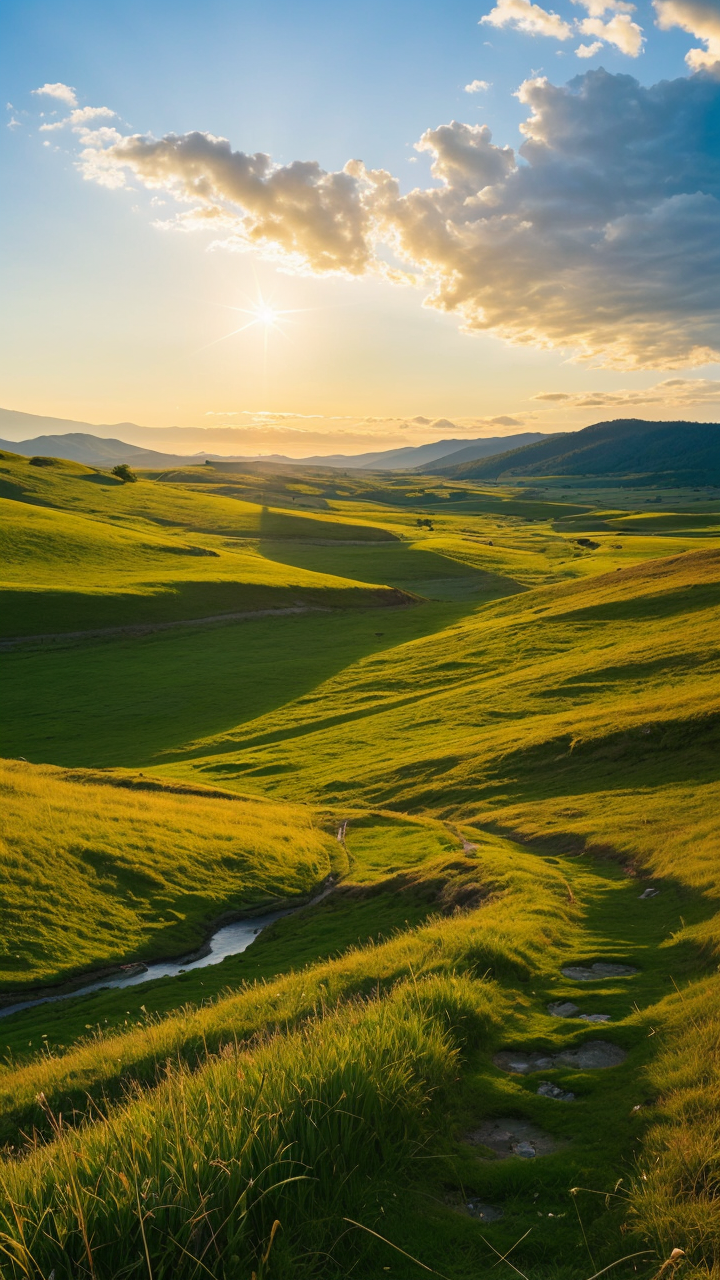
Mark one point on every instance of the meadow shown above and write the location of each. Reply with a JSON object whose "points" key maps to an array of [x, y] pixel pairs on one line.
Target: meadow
{"points": [[510, 697]]}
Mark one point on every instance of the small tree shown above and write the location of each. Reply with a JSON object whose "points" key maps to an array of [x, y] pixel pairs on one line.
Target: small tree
{"points": [[124, 473]]}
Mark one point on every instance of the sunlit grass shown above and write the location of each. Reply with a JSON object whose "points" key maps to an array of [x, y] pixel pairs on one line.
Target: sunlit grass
{"points": [[93, 874]]}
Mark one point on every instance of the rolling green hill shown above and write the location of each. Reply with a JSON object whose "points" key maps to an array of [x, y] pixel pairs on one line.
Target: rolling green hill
{"points": [[526, 761], [81, 550]]}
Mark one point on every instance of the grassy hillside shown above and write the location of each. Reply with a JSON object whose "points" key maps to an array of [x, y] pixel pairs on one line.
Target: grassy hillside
{"points": [[72, 563], [73, 487], [435, 722], [518, 757], [95, 871]]}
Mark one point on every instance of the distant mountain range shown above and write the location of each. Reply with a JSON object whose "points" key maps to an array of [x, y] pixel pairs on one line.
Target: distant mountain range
{"points": [[683, 452], [93, 451], [686, 452], [99, 451]]}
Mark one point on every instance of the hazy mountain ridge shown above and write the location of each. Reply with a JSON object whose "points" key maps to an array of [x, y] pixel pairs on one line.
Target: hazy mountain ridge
{"points": [[688, 451], [471, 450], [81, 444], [94, 451]]}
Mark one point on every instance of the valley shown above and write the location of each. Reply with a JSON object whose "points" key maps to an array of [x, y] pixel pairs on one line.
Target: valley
{"points": [[484, 715]]}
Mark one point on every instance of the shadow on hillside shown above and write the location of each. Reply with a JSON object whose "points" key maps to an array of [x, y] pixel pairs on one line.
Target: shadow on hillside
{"points": [[656, 754]]}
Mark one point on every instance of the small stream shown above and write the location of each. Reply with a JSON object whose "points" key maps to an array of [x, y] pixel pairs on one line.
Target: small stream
{"points": [[230, 940]]}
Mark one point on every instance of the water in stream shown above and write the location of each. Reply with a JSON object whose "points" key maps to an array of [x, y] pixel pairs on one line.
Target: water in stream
{"points": [[230, 940]]}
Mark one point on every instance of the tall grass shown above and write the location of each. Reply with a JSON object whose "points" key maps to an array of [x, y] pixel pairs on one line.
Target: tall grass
{"points": [[676, 1196], [191, 1178], [517, 932]]}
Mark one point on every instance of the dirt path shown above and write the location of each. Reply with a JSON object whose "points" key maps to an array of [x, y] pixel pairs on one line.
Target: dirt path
{"points": [[145, 628]]}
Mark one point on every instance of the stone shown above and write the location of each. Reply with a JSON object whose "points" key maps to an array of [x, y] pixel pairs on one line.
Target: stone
{"points": [[483, 1212], [524, 1149], [597, 971], [548, 1090], [595, 1017], [649, 893], [594, 1056], [563, 1009]]}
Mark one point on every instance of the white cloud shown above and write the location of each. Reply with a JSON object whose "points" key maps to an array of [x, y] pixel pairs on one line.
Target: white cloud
{"points": [[621, 31], [477, 86], [604, 239], [702, 19], [63, 92], [531, 18], [79, 119]]}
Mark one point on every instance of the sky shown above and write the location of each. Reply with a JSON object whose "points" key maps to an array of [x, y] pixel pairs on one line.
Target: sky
{"points": [[334, 228]]}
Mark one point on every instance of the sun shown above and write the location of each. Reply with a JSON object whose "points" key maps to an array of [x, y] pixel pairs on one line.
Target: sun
{"points": [[262, 315], [266, 315]]}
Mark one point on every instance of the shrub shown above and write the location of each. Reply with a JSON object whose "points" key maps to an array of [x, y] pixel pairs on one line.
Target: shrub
{"points": [[39, 461], [124, 473]]}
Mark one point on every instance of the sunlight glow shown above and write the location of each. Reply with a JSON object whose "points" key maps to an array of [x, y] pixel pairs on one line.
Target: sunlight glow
{"points": [[267, 316], [261, 314]]}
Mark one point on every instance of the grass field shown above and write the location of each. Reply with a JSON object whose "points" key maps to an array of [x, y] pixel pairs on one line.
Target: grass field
{"points": [[519, 754], [138, 872]]}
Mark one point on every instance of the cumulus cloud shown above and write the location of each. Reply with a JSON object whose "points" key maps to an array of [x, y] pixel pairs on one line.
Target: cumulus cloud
{"points": [[522, 15], [314, 219], [602, 235], [669, 392], [63, 93], [702, 19], [477, 86], [621, 31], [79, 119]]}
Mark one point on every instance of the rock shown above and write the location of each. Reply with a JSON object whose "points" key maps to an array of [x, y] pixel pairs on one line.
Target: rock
{"points": [[524, 1149], [483, 1212], [649, 893], [595, 1017], [593, 1056], [548, 1090], [563, 1009], [597, 971], [503, 1137]]}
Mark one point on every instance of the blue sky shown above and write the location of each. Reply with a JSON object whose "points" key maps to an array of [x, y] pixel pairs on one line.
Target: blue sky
{"points": [[112, 318]]}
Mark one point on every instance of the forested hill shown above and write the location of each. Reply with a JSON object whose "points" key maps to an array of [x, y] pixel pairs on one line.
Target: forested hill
{"points": [[682, 452]]}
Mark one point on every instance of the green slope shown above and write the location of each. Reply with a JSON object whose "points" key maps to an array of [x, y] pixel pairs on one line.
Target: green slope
{"points": [[72, 563], [517, 761]]}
